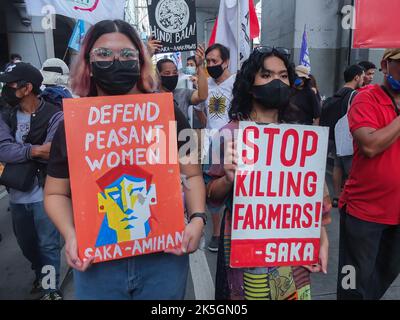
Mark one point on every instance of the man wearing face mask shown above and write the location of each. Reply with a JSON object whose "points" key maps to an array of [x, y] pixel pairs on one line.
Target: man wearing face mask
{"points": [[25, 140], [220, 87], [216, 109], [370, 202]]}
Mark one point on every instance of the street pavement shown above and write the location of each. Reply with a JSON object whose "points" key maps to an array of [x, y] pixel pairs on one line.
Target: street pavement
{"points": [[16, 277]]}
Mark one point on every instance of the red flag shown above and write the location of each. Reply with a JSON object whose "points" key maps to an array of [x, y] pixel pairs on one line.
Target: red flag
{"points": [[377, 24], [213, 34], [254, 25]]}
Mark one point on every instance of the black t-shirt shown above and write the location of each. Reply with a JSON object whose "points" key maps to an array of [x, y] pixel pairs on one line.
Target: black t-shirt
{"points": [[307, 101], [58, 163]]}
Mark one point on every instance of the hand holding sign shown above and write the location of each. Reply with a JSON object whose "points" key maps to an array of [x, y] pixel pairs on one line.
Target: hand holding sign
{"points": [[191, 238], [323, 255], [153, 46], [200, 56], [231, 161], [71, 254]]}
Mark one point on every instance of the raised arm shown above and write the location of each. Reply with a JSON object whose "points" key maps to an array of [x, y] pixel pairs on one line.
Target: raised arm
{"points": [[201, 94]]}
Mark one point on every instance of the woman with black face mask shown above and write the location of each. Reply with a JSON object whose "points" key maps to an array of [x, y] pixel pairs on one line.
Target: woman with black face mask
{"points": [[113, 61], [169, 77], [261, 94]]}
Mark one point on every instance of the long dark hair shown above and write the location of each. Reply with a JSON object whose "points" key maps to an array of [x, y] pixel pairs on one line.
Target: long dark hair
{"points": [[242, 102], [81, 82]]}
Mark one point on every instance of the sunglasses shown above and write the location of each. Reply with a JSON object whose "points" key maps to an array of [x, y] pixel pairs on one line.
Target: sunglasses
{"points": [[266, 49]]}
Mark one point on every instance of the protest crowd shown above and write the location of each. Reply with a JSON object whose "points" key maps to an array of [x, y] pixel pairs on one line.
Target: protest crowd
{"points": [[252, 145]]}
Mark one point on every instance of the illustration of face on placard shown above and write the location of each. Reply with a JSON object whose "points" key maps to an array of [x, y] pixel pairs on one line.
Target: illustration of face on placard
{"points": [[125, 202]]}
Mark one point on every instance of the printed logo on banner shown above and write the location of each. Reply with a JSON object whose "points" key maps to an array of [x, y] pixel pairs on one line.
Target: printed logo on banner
{"points": [[172, 15], [85, 5], [173, 22], [278, 194], [91, 11], [127, 198]]}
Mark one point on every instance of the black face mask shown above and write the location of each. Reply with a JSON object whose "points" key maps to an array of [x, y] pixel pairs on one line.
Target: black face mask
{"points": [[215, 71], [169, 82], [117, 79], [273, 95], [9, 95]]}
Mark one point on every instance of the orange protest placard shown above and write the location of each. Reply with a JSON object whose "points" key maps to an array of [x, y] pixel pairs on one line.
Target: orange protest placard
{"points": [[125, 180]]}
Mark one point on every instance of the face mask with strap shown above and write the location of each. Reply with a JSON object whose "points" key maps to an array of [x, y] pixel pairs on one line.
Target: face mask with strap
{"points": [[396, 107]]}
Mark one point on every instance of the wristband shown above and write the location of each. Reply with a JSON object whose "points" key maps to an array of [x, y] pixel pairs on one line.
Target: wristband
{"points": [[199, 215]]}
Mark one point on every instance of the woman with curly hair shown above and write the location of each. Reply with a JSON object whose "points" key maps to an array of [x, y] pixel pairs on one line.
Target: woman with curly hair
{"points": [[261, 94]]}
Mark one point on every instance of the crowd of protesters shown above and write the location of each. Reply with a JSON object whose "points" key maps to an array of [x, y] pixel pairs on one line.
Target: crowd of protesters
{"points": [[364, 140]]}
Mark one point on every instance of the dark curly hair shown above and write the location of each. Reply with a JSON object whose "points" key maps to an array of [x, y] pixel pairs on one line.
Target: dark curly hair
{"points": [[242, 102]]}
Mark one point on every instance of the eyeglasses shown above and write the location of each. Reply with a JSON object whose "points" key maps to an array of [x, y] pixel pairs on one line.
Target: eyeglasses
{"points": [[107, 56], [266, 49]]}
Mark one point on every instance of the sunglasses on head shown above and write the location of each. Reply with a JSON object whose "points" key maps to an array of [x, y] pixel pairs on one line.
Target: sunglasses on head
{"points": [[266, 49]]}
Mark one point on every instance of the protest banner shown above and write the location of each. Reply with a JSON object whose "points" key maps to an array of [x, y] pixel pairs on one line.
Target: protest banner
{"points": [[173, 22], [126, 193], [278, 193], [376, 24], [91, 11]]}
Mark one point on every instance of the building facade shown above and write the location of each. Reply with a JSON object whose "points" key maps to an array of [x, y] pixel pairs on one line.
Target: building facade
{"points": [[282, 24], [34, 38], [329, 33]]}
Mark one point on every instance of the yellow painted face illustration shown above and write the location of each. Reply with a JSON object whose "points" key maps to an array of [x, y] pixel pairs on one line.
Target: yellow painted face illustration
{"points": [[217, 107], [126, 202]]}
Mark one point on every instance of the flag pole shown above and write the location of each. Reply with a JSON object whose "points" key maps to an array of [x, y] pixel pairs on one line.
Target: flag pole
{"points": [[36, 47], [239, 25], [351, 33], [65, 54]]}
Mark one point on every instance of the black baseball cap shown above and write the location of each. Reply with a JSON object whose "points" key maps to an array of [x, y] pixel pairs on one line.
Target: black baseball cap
{"points": [[22, 71]]}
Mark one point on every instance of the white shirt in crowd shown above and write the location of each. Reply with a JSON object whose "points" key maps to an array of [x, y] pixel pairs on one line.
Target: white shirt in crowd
{"points": [[218, 102], [217, 106]]}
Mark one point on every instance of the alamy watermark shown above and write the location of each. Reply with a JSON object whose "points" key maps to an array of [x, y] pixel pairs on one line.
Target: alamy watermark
{"points": [[349, 277], [49, 17], [49, 279], [348, 20]]}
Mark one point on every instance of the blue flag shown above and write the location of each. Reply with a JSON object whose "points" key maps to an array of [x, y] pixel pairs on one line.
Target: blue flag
{"points": [[304, 53], [77, 35]]}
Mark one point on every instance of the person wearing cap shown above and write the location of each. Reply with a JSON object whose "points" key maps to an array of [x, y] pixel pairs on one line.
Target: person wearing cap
{"points": [[305, 98], [55, 74], [369, 249], [25, 141]]}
